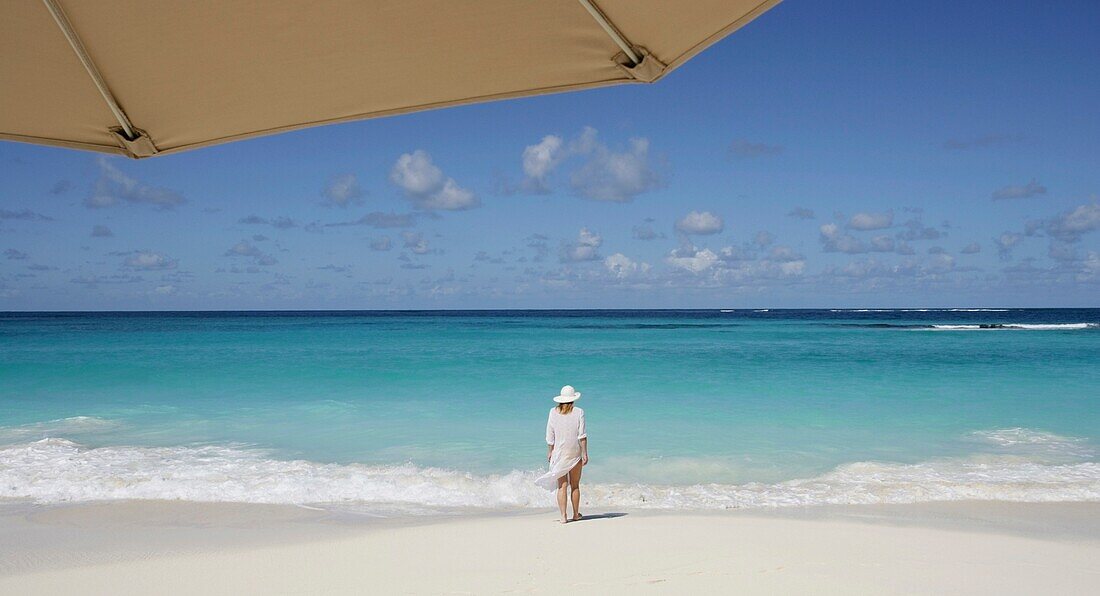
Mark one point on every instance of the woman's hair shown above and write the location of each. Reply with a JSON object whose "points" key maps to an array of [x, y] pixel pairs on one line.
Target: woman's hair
{"points": [[565, 408]]}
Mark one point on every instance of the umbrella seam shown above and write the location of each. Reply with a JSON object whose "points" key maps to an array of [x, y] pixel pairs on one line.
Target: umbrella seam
{"points": [[612, 30], [62, 143], [721, 34], [81, 52]]}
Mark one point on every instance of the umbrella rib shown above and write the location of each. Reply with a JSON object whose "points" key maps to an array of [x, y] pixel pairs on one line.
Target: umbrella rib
{"points": [[82, 53], [608, 28]]}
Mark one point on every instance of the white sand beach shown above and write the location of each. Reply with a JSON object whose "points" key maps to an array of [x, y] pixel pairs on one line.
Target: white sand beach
{"points": [[187, 548]]}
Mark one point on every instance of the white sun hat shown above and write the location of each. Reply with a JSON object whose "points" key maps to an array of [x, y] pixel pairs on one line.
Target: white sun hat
{"points": [[568, 394]]}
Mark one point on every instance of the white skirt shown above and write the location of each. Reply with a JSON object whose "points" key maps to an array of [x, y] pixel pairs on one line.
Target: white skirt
{"points": [[561, 462]]}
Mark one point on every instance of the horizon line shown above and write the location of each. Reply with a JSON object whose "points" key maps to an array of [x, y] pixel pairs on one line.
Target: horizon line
{"points": [[602, 309]]}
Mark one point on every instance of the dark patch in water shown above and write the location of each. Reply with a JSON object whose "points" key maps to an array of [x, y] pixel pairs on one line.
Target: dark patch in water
{"points": [[880, 326], [648, 326]]}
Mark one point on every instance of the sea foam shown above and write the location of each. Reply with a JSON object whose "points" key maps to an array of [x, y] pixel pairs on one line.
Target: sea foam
{"points": [[76, 425], [1017, 326], [1019, 465]]}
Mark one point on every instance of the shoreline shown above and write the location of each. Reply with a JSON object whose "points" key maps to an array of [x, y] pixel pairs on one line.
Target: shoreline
{"points": [[246, 548]]}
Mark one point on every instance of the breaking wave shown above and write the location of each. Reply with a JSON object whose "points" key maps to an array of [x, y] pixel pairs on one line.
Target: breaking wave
{"points": [[76, 425], [1007, 465], [1018, 326], [977, 326]]}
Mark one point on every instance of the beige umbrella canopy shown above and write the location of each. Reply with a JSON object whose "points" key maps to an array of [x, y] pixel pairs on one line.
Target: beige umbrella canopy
{"points": [[150, 77]]}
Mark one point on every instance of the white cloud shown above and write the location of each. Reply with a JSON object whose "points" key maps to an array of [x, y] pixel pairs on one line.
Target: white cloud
{"points": [[427, 187], [916, 230], [1071, 225], [932, 268], [343, 190], [613, 176], [833, 239], [243, 249], [586, 248], [1026, 191], [93, 281], [864, 269], [539, 160], [538, 244], [784, 254], [452, 197], [940, 263], [416, 174], [1062, 251], [644, 232], [282, 222], [603, 175], [792, 268], [149, 261], [1006, 242], [379, 220], [586, 142], [736, 266], [883, 243], [702, 223], [692, 259], [114, 188], [622, 267], [728, 254], [415, 242], [246, 249], [801, 213], [1089, 267], [763, 239], [971, 249], [871, 221], [25, 214]]}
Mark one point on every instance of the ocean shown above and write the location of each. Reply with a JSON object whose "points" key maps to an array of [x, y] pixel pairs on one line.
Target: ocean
{"points": [[407, 413]]}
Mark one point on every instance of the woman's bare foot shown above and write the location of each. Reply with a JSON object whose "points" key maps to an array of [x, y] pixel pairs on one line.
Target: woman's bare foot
{"points": [[577, 516], [563, 521]]}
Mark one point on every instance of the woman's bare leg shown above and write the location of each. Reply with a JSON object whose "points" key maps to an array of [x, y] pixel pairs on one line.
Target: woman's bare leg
{"points": [[563, 482], [575, 483]]}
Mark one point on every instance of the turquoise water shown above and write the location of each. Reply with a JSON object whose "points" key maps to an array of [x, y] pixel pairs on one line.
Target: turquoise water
{"points": [[689, 409]]}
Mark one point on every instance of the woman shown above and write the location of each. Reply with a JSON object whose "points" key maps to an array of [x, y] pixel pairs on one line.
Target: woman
{"points": [[566, 450]]}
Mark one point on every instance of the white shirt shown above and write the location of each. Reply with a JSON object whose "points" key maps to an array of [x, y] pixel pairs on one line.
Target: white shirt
{"points": [[564, 432]]}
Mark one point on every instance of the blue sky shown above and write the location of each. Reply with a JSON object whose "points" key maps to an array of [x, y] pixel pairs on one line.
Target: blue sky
{"points": [[827, 155]]}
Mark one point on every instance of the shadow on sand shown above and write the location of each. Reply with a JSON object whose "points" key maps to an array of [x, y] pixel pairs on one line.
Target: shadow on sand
{"points": [[598, 516]]}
